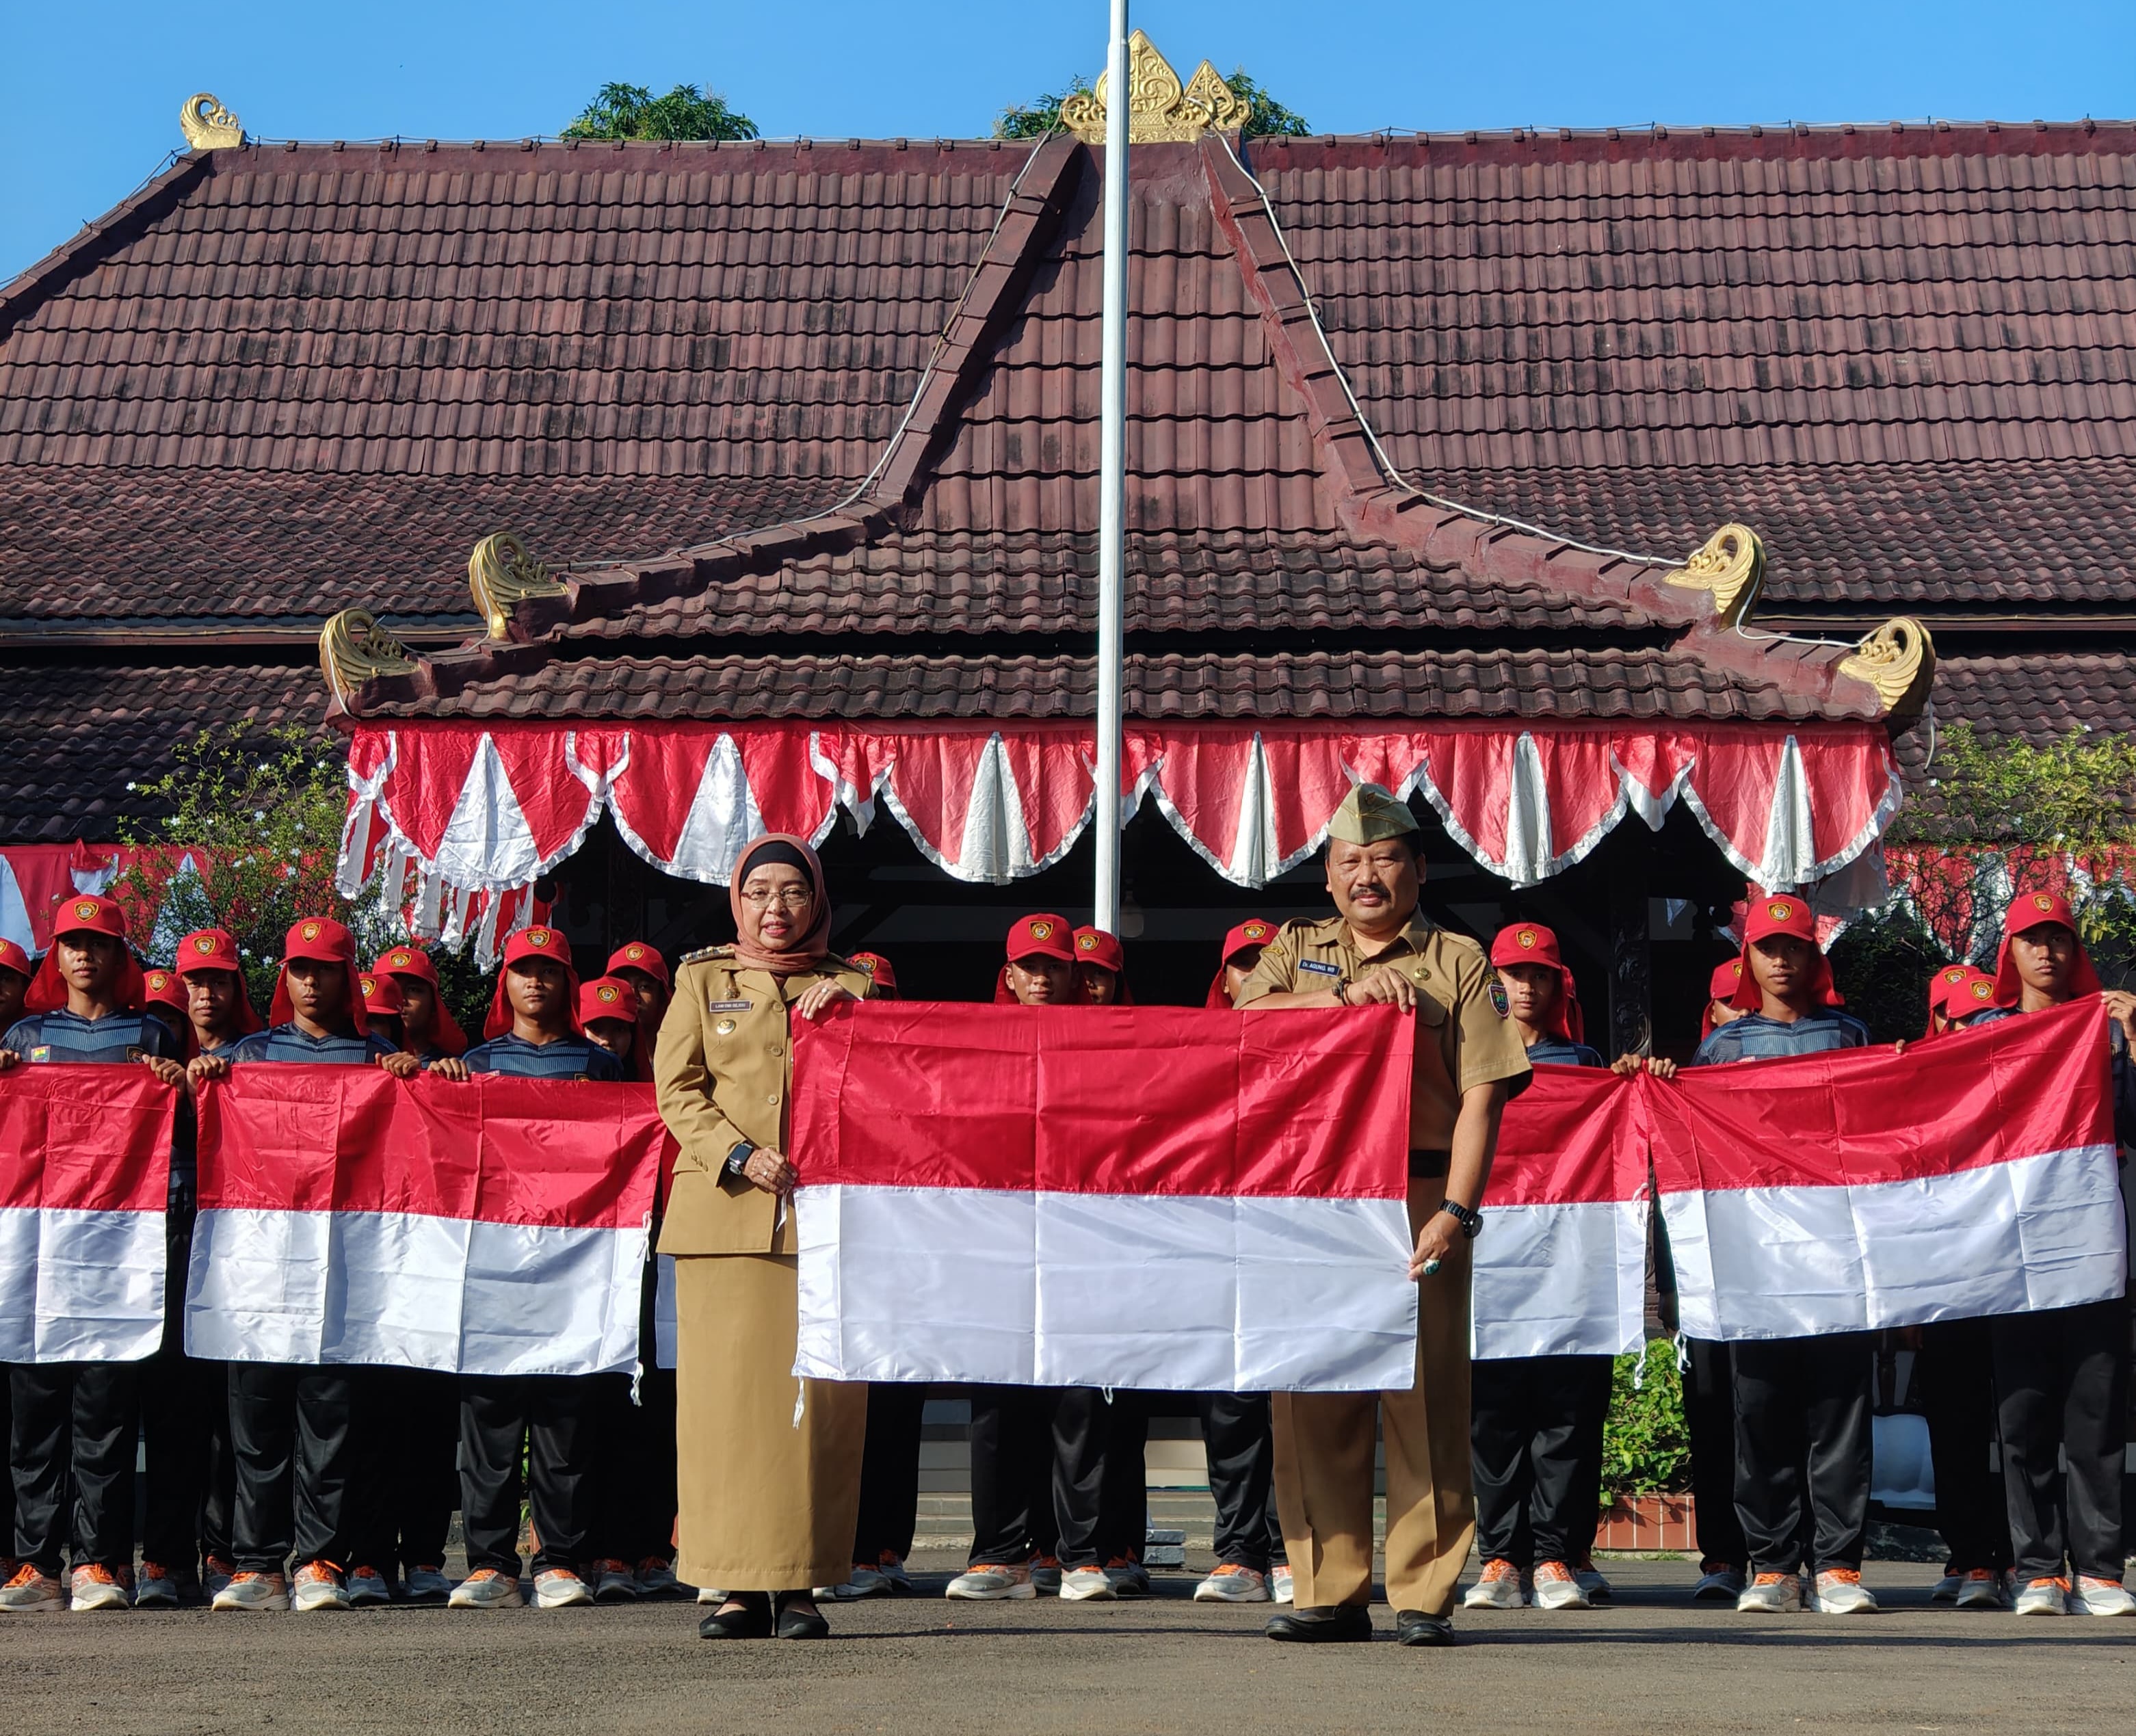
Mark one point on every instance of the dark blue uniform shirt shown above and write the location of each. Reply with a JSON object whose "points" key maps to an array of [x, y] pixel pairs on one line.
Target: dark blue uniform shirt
{"points": [[1755, 1038], [54, 1038], [1557, 1052], [567, 1057], [286, 1043]]}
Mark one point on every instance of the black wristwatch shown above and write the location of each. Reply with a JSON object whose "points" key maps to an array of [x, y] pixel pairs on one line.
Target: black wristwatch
{"points": [[737, 1163], [1470, 1221]]}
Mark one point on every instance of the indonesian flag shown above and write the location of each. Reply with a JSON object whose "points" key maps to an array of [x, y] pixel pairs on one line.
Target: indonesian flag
{"points": [[1102, 1196], [84, 1168], [494, 1227], [1972, 1175], [1561, 1268]]}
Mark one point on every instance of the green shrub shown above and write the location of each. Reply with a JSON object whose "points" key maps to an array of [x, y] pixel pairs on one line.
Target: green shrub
{"points": [[1645, 1448]]}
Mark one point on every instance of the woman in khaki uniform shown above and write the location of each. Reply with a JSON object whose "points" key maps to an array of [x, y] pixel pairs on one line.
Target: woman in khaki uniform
{"points": [[770, 1466]]}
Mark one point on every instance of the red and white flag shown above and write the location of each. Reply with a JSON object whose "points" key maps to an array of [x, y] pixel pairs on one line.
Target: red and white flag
{"points": [[1561, 1265], [496, 1227], [1100, 1196], [1974, 1176], [85, 1167]]}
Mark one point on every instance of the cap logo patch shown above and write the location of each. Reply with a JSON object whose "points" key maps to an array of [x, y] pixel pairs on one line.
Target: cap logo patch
{"points": [[370, 987], [1041, 931], [633, 951], [1983, 991], [310, 931], [1779, 910], [2041, 901], [1087, 942], [159, 980], [1956, 974], [1527, 937], [537, 937], [204, 945], [866, 962], [606, 995], [1255, 930], [85, 911], [399, 959]]}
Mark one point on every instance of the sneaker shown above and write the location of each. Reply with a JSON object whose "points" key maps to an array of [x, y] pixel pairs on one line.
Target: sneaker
{"points": [[1721, 1584], [1840, 1591], [488, 1588], [1598, 1590], [216, 1571], [1497, 1587], [97, 1586], [1130, 1578], [656, 1578], [29, 1591], [2103, 1596], [1280, 1582], [614, 1582], [1555, 1588], [712, 1595], [425, 1585], [1982, 1588], [896, 1581], [367, 1585], [2044, 1598], [1047, 1575], [1948, 1588], [991, 1581], [318, 1586], [1229, 1582], [1779, 1594], [253, 1591], [156, 1587], [561, 1588], [1091, 1584], [865, 1581]]}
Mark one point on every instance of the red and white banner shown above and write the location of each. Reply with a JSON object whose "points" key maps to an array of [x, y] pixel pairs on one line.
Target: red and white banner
{"points": [[1117, 1196], [1561, 1267], [496, 1227], [84, 1166], [1972, 1175]]}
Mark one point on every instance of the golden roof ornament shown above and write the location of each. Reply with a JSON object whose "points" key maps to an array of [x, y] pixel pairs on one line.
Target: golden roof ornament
{"points": [[208, 126], [1732, 567], [1160, 110], [503, 574], [1898, 659], [354, 648]]}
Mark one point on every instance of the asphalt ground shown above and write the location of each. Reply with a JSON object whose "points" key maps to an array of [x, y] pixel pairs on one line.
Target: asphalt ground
{"points": [[1654, 1662]]}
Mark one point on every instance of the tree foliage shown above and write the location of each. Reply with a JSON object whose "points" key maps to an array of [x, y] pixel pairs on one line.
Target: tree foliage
{"points": [[2078, 793], [632, 111], [1646, 1447], [1265, 116]]}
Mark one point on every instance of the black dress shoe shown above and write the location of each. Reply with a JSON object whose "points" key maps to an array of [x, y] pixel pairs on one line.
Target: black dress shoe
{"points": [[798, 1622], [1345, 1622], [751, 1621], [1413, 1628]]}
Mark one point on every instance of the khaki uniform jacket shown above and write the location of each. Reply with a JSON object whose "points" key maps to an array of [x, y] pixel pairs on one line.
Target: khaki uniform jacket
{"points": [[723, 1069], [1464, 1034]]}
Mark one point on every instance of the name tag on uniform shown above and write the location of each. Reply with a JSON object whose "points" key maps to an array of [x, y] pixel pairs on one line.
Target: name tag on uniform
{"points": [[729, 1006], [1320, 967]]}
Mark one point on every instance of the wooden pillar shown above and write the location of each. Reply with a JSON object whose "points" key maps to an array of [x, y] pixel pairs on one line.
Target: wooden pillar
{"points": [[1631, 950]]}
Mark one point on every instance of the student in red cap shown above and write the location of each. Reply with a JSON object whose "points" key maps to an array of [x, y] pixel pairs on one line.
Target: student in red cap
{"points": [[880, 971], [641, 966], [545, 1422], [164, 999], [1535, 1422], [1101, 967], [1802, 1404], [428, 1028], [1242, 951], [1721, 1008], [1958, 995], [294, 1429], [2061, 1374], [16, 971], [74, 1423]]}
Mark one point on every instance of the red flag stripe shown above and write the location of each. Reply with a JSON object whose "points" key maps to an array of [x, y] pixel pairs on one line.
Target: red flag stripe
{"points": [[82, 1138], [1564, 1142]]}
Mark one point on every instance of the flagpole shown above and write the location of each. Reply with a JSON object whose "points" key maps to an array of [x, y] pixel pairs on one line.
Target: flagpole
{"points": [[1112, 476]]}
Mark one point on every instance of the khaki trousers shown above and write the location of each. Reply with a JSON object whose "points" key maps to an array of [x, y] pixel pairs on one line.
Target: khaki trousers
{"points": [[1323, 1460], [766, 1502]]}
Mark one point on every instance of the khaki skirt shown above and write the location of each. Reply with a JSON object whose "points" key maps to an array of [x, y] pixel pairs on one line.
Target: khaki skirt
{"points": [[766, 1503]]}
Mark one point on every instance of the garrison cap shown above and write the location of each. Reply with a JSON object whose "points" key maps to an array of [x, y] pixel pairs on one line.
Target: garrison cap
{"points": [[1369, 814]]}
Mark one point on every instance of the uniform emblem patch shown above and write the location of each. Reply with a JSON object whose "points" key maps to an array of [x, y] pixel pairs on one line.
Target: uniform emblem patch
{"points": [[633, 950], [1779, 910], [310, 931], [1255, 930], [2041, 901], [1956, 974], [40, 1052], [1983, 991], [1499, 1004], [606, 995], [85, 911], [400, 960], [368, 986], [204, 945], [537, 937], [1041, 931], [1527, 938]]}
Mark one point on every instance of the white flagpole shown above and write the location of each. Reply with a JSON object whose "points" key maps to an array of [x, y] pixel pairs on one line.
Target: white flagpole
{"points": [[1112, 476]]}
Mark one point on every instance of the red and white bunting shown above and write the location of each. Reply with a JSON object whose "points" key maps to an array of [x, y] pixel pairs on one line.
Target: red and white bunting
{"points": [[488, 808]]}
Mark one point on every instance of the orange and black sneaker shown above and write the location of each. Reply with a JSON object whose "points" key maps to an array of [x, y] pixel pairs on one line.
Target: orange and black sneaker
{"points": [[94, 1585], [30, 1590], [1497, 1587], [156, 1587]]}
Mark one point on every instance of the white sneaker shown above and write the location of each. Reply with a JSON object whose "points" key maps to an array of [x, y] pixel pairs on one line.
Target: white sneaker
{"points": [[614, 1582], [1281, 1583], [1982, 1588], [488, 1588], [96, 1588], [1840, 1591], [1232, 1583], [712, 1595], [318, 1586], [1555, 1588], [1598, 1588], [367, 1585], [656, 1578], [425, 1585], [2103, 1596], [1948, 1588], [1497, 1587], [1779, 1594], [1087, 1585], [992, 1581], [30, 1593], [2043, 1597], [253, 1591], [561, 1588], [1722, 1585], [866, 1582]]}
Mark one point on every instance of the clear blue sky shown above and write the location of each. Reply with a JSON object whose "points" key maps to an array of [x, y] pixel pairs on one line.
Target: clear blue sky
{"points": [[95, 85]]}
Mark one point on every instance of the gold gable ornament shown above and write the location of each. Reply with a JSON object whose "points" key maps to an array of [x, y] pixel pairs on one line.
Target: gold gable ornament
{"points": [[1732, 567], [503, 574], [354, 648], [1898, 659], [1161, 110], [208, 126]]}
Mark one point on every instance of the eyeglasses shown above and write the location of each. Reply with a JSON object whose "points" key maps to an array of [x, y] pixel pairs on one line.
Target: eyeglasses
{"points": [[791, 898]]}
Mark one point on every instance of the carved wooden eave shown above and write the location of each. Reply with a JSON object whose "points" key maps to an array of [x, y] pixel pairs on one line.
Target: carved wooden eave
{"points": [[208, 126], [1161, 110]]}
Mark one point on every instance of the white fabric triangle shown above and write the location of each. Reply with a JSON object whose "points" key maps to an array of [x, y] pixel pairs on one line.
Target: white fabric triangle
{"points": [[1529, 850], [723, 817], [996, 846], [487, 842], [1790, 853], [1253, 845]]}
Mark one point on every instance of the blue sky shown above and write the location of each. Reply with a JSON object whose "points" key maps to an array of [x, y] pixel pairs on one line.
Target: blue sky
{"points": [[93, 102]]}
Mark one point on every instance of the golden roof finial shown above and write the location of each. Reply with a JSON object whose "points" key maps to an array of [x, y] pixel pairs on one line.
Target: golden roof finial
{"points": [[503, 574], [353, 648], [208, 126], [1732, 567], [1160, 108], [1899, 660]]}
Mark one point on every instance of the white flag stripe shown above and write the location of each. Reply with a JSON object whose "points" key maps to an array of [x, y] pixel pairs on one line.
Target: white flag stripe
{"points": [[1194, 1293], [2034, 1232], [1561, 1280], [79, 1285], [461, 1296]]}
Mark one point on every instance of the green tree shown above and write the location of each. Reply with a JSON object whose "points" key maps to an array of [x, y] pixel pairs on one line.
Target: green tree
{"points": [[632, 111], [1646, 1447], [1265, 116]]}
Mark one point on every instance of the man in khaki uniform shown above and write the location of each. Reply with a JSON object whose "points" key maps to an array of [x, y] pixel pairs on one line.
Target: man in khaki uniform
{"points": [[1469, 1062]]}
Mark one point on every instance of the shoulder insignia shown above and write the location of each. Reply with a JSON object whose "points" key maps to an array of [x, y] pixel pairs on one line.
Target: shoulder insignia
{"points": [[705, 952]]}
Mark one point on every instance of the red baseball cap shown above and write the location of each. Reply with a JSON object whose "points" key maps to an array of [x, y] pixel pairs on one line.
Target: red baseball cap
{"points": [[1958, 991], [879, 970], [1249, 935], [164, 989], [414, 961], [1095, 946], [540, 941], [325, 941], [1042, 936], [87, 914], [84, 913], [2038, 910], [608, 997], [13, 958], [1530, 943], [1775, 913], [1721, 987], [637, 956], [380, 994]]}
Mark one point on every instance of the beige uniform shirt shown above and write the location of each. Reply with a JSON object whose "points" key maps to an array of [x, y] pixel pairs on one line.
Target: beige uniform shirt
{"points": [[1464, 1034], [724, 1072]]}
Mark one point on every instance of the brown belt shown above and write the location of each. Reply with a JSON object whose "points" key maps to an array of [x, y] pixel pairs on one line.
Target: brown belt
{"points": [[1428, 1164]]}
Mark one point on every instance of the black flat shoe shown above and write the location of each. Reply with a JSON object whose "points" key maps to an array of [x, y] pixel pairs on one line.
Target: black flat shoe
{"points": [[1347, 1623], [751, 1621], [796, 1623], [1413, 1628]]}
